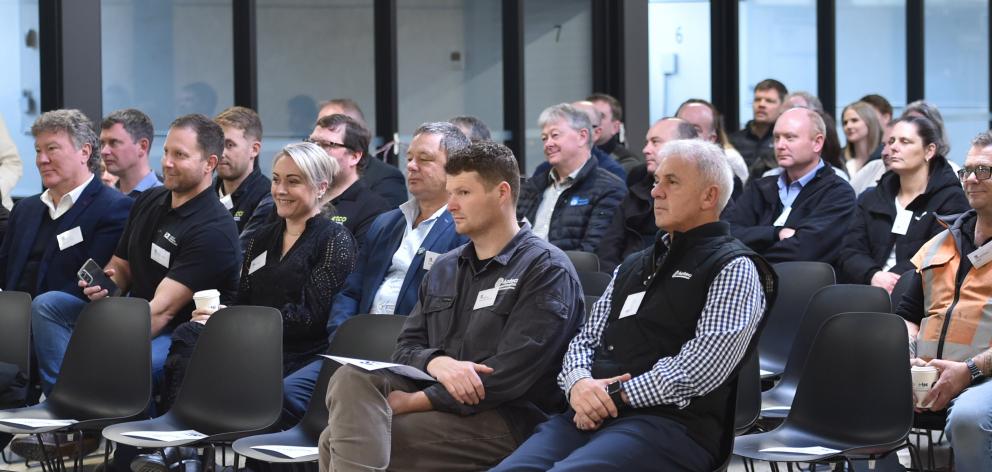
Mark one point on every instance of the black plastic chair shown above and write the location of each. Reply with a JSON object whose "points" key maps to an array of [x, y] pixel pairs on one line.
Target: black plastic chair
{"points": [[232, 387], [105, 377], [748, 404], [15, 329], [370, 337], [590, 301], [853, 396], [583, 261], [826, 302], [900, 289], [797, 282], [594, 283]]}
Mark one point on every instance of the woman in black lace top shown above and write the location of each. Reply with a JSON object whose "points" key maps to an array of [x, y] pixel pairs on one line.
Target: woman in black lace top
{"points": [[296, 264]]}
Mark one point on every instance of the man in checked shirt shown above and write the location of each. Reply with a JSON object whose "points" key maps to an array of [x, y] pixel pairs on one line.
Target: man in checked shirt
{"points": [[650, 378]]}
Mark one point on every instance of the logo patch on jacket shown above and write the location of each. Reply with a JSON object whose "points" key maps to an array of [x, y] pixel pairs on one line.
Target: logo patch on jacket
{"points": [[578, 201], [505, 284], [681, 275]]}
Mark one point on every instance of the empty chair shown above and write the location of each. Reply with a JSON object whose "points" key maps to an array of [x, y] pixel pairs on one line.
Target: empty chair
{"points": [[105, 377], [853, 396], [583, 261], [826, 302], [594, 283], [232, 387], [363, 337], [797, 282]]}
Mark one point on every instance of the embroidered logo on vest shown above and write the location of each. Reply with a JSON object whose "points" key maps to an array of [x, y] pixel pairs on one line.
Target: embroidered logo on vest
{"points": [[681, 275]]}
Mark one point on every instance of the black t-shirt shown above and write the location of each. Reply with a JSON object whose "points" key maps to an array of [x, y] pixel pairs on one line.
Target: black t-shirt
{"points": [[195, 244], [357, 207]]}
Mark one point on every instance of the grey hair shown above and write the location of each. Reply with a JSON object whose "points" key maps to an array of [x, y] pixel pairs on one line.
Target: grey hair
{"points": [[315, 165], [931, 112], [478, 131], [75, 124], [812, 101], [982, 140], [576, 118], [452, 138], [710, 162]]}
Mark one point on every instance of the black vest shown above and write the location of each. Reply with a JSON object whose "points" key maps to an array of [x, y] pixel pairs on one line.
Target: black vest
{"points": [[677, 281]]}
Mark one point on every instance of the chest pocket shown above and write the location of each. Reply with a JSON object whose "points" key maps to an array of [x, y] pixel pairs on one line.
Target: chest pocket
{"points": [[439, 312]]}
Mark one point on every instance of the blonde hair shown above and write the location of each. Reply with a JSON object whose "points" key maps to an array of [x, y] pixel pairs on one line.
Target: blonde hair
{"points": [[315, 165]]}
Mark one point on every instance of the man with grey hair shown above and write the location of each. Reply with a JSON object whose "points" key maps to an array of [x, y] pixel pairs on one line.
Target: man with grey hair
{"points": [[52, 234], [570, 206], [803, 213], [650, 377], [473, 128], [398, 248], [125, 138]]}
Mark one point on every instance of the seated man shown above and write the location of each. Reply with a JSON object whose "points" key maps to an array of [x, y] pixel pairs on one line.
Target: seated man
{"points": [[352, 202], [52, 234], [946, 310], [610, 128], [803, 213], [571, 205], [400, 247], [240, 184], [493, 320], [632, 227], [650, 378], [125, 139]]}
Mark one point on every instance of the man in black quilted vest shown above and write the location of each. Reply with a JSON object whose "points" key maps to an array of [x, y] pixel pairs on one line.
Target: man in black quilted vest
{"points": [[651, 377]]}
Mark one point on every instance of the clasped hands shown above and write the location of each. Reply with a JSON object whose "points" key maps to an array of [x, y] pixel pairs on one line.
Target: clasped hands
{"points": [[591, 402]]}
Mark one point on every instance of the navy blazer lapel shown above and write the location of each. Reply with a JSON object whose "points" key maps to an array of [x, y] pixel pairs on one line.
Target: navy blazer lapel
{"points": [[440, 227], [29, 223], [381, 258], [68, 221]]}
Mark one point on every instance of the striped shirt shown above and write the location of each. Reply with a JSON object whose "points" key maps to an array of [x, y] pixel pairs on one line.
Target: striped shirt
{"points": [[734, 305]]}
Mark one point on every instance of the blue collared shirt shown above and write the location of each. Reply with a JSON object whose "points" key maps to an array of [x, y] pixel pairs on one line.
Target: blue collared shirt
{"points": [[787, 193], [149, 181]]}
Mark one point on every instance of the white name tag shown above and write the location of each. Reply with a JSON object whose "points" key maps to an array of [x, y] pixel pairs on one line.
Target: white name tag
{"points": [[486, 298], [631, 304], [780, 221], [429, 258], [160, 255], [257, 263], [981, 256], [901, 225], [70, 238], [227, 202]]}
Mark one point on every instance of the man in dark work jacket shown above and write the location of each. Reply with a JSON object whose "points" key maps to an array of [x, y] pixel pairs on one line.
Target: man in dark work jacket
{"points": [[651, 376]]}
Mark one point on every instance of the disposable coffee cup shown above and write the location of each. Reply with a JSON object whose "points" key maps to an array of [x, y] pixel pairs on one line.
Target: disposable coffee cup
{"points": [[923, 380], [207, 299]]}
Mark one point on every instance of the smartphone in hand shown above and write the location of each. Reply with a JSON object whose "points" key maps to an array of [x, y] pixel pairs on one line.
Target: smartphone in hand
{"points": [[92, 274]]}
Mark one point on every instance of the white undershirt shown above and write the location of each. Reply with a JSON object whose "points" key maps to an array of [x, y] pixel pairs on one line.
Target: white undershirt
{"points": [[65, 203]]}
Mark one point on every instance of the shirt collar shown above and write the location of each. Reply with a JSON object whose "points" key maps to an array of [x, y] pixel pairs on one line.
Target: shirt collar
{"points": [[553, 176], [73, 195], [148, 181], [191, 205], [411, 209], [507, 252], [802, 181]]}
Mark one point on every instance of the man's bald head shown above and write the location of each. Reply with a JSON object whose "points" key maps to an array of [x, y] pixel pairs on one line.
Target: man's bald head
{"points": [[661, 132]]}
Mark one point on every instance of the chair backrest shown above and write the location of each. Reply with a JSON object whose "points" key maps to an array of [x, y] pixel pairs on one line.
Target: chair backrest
{"points": [[15, 329], [594, 283], [827, 302], [234, 379], [106, 371], [583, 261], [748, 394], [900, 289], [370, 337], [590, 301], [797, 282], [856, 382]]}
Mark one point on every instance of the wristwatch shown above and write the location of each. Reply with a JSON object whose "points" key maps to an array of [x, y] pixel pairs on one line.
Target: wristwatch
{"points": [[614, 390], [976, 373]]}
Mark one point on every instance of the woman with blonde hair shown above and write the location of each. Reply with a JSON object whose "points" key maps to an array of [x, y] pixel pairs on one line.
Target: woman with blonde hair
{"points": [[864, 136]]}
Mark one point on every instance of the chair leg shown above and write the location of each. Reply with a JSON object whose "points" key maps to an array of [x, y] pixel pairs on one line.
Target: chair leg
{"points": [[106, 455], [237, 459]]}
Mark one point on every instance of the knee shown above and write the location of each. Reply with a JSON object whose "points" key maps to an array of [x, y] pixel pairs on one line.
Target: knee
{"points": [[345, 383], [49, 305], [969, 423]]}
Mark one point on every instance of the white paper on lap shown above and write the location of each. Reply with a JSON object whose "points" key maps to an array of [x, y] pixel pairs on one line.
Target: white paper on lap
{"points": [[399, 369]]}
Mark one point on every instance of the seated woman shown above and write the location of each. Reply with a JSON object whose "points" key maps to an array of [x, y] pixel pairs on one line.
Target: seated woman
{"points": [[864, 136], [897, 216], [295, 264]]}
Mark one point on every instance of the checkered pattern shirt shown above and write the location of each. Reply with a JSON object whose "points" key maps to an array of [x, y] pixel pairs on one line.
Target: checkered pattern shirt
{"points": [[735, 303]]}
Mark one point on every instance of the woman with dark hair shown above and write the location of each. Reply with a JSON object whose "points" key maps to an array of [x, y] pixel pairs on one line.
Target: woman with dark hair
{"points": [[899, 215]]}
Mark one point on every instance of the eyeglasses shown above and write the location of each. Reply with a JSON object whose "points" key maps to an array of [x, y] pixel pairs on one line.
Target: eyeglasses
{"points": [[327, 146], [981, 172]]}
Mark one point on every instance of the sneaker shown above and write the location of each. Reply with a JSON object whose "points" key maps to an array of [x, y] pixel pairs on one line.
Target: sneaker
{"points": [[27, 446], [166, 460]]}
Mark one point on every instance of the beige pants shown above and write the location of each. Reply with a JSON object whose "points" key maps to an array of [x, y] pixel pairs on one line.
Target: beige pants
{"points": [[363, 435]]}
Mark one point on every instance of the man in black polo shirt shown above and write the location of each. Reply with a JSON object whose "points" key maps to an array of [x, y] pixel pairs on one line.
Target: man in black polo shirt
{"points": [[354, 204], [242, 188], [178, 240]]}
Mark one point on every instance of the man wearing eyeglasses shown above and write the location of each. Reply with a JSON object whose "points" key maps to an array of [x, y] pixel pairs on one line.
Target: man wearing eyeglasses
{"points": [[354, 204], [948, 315]]}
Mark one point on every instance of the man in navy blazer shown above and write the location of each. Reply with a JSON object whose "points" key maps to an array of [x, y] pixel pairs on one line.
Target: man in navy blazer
{"points": [[398, 249]]}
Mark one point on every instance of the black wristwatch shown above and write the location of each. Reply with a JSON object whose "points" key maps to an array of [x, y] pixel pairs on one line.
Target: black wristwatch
{"points": [[614, 390], [976, 373]]}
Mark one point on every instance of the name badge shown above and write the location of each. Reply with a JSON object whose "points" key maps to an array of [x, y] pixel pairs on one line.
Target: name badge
{"points": [[578, 201], [257, 263], [429, 258], [780, 221], [631, 304], [486, 298], [981, 256], [69, 238], [160, 255], [901, 225], [227, 202]]}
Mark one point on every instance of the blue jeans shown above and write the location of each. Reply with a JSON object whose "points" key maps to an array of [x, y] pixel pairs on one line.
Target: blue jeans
{"points": [[629, 443], [969, 427], [53, 315], [296, 391]]}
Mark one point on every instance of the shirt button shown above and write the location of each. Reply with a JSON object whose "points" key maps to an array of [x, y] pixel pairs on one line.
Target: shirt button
{"points": [[609, 348]]}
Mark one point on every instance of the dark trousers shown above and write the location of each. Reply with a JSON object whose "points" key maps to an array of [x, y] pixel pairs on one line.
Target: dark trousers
{"points": [[630, 443]]}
